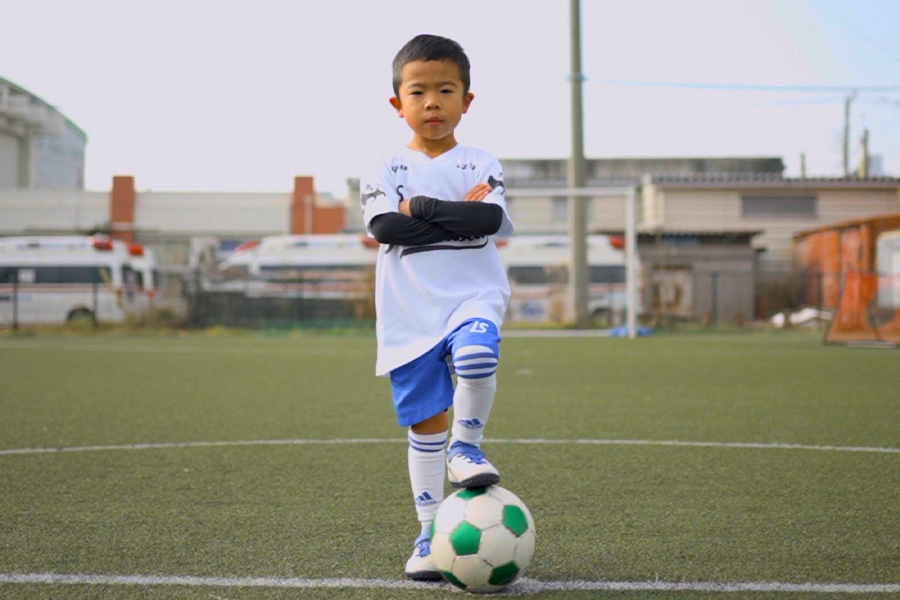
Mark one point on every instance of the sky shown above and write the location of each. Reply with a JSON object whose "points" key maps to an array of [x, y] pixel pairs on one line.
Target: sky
{"points": [[226, 95]]}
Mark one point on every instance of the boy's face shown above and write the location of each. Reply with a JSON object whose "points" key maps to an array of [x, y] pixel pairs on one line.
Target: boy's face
{"points": [[432, 100]]}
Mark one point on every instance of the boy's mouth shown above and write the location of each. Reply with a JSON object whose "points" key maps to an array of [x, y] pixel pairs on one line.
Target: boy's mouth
{"points": [[434, 120]]}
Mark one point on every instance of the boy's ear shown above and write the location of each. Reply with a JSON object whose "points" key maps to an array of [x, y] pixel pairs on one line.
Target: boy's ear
{"points": [[467, 100], [395, 102]]}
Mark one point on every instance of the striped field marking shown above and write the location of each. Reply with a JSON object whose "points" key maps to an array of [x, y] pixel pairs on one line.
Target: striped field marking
{"points": [[340, 441], [522, 588]]}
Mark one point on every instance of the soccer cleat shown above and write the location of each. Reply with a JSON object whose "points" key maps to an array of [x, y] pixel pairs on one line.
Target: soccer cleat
{"points": [[467, 467], [420, 566]]}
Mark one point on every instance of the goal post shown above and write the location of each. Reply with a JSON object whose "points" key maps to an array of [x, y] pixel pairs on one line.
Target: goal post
{"points": [[545, 211], [868, 311]]}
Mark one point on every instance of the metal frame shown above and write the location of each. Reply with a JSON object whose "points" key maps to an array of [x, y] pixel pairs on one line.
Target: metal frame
{"points": [[630, 194]]}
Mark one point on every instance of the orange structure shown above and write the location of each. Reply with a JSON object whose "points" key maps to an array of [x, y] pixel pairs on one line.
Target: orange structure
{"points": [[307, 217], [860, 317], [838, 271], [122, 208]]}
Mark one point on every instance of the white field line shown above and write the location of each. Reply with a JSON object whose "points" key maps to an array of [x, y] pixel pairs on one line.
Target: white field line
{"points": [[341, 441], [524, 587]]}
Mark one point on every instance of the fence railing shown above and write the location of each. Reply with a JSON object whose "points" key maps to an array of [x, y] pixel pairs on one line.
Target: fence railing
{"points": [[721, 296], [24, 304], [712, 297], [323, 299]]}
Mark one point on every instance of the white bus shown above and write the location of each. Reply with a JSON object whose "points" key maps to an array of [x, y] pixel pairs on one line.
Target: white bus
{"points": [[330, 267], [539, 278], [58, 279], [341, 267]]}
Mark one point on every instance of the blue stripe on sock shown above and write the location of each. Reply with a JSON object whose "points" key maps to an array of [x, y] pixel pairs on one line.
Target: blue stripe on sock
{"points": [[477, 366], [480, 376], [431, 450], [422, 446], [475, 355]]}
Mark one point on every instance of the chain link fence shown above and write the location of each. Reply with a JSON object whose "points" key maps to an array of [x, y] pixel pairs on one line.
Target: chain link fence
{"points": [[27, 304], [320, 300], [306, 299]]}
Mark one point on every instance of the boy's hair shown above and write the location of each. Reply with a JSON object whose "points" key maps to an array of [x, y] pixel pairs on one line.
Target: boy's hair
{"points": [[431, 47]]}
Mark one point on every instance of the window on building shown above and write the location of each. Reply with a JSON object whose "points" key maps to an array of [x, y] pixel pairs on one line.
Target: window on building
{"points": [[560, 208], [779, 206], [518, 170], [559, 211]]}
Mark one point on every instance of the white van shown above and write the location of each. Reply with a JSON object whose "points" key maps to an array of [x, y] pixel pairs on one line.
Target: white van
{"points": [[57, 279], [338, 266], [539, 278]]}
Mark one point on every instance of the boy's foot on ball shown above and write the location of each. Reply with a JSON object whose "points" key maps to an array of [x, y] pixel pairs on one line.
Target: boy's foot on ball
{"points": [[467, 467], [420, 566]]}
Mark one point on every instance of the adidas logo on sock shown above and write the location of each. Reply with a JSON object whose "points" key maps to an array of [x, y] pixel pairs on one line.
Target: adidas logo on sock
{"points": [[471, 423], [425, 499]]}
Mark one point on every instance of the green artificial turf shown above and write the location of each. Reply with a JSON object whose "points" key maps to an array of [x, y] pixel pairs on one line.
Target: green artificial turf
{"points": [[618, 510]]}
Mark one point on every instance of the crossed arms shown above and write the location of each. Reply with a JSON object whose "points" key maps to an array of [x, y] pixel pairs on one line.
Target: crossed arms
{"points": [[423, 220]]}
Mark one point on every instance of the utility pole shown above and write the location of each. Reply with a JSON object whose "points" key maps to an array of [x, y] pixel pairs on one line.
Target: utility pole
{"points": [[864, 164], [803, 165], [847, 102], [578, 271]]}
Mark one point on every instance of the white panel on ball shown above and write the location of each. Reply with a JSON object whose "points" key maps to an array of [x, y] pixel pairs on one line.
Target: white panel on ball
{"points": [[484, 511]]}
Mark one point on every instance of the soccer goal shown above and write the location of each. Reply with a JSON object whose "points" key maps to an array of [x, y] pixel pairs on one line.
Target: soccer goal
{"points": [[868, 311], [541, 256]]}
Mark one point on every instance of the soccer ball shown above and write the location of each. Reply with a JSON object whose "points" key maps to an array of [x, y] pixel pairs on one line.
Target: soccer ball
{"points": [[482, 539]]}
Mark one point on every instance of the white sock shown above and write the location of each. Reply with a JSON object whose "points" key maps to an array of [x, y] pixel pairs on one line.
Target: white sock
{"points": [[472, 402], [427, 468]]}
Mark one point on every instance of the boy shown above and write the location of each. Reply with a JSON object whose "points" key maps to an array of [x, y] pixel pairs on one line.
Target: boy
{"points": [[441, 287]]}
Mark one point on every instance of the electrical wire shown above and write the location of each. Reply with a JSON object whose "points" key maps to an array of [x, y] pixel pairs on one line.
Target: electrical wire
{"points": [[751, 87]]}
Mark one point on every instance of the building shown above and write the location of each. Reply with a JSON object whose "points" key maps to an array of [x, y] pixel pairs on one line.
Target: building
{"points": [[775, 206], [550, 214], [171, 223], [39, 146], [715, 233], [547, 173], [772, 207]]}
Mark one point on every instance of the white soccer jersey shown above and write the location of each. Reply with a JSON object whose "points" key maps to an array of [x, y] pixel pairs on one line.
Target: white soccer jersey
{"points": [[422, 293]]}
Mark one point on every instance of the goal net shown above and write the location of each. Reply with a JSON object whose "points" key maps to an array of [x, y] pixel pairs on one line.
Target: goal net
{"points": [[868, 311]]}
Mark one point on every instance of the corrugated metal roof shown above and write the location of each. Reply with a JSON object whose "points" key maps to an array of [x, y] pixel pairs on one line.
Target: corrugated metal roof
{"points": [[881, 222], [718, 180], [770, 180], [724, 234]]}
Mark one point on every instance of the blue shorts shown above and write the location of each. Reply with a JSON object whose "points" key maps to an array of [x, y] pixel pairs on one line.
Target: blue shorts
{"points": [[424, 387]]}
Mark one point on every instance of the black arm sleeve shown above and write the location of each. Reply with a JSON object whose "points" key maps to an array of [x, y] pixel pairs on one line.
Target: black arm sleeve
{"points": [[464, 219], [400, 230]]}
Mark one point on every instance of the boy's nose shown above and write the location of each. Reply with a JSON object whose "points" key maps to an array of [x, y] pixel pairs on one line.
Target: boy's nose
{"points": [[432, 101]]}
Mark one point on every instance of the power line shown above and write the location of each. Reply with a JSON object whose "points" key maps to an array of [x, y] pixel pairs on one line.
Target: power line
{"points": [[750, 87], [889, 101], [855, 29]]}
